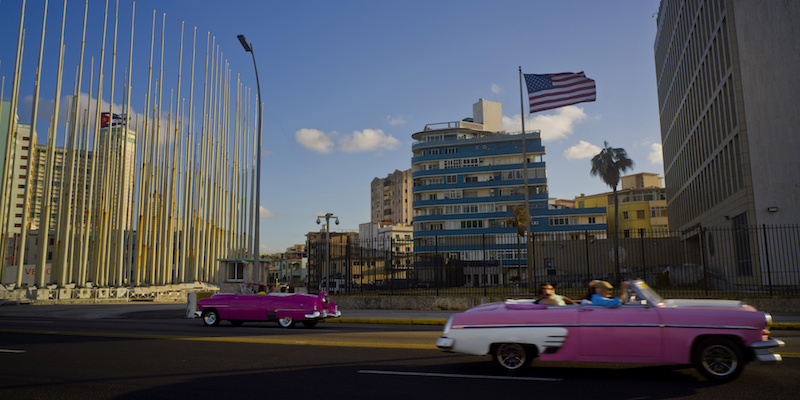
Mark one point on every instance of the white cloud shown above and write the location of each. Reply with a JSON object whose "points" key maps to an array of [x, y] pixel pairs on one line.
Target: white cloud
{"points": [[314, 140], [656, 156], [553, 126], [366, 140], [496, 89], [264, 213], [582, 150], [396, 120]]}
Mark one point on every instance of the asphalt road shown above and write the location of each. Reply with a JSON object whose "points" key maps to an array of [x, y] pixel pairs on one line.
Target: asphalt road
{"points": [[146, 357]]}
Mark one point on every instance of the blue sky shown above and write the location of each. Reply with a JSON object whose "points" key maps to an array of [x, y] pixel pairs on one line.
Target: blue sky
{"points": [[346, 83]]}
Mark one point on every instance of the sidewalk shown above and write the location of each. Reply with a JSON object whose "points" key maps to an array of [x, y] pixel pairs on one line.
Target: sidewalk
{"points": [[151, 310]]}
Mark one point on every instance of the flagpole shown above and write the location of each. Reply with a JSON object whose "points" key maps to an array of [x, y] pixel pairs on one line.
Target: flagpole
{"points": [[187, 178], [528, 239], [85, 209], [127, 177], [143, 206], [31, 146], [44, 215], [5, 212], [95, 160]]}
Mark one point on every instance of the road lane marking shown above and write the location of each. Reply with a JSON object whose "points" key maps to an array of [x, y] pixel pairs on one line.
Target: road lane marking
{"points": [[441, 375], [15, 351], [322, 340]]}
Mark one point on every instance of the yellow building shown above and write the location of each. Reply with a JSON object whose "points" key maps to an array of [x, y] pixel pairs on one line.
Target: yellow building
{"points": [[642, 206]]}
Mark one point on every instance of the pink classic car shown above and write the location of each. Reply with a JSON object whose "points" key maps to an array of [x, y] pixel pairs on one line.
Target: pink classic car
{"points": [[285, 308], [717, 336]]}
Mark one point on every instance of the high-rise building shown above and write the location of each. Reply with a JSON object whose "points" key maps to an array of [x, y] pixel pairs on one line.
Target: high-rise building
{"points": [[468, 179], [391, 199], [728, 91]]}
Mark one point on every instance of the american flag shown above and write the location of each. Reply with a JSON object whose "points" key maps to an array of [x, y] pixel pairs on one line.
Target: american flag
{"points": [[548, 91]]}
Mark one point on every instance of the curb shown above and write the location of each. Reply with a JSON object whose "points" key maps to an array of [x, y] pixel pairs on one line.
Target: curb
{"points": [[388, 321]]}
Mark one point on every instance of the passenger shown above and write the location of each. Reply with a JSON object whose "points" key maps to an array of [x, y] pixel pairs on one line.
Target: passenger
{"points": [[600, 294], [272, 289], [548, 296]]}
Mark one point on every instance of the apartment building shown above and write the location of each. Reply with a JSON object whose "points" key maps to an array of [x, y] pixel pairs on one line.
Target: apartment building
{"points": [[468, 178], [390, 199]]}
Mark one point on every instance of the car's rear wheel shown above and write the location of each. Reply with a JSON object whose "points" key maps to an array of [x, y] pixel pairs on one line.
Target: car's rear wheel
{"points": [[286, 322], [210, 317], [511, 356], [719, 359], [310, 324]]}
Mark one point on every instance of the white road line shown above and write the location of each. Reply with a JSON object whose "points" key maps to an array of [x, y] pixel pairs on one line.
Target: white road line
{"points": [[11, 351], [440, 375]]}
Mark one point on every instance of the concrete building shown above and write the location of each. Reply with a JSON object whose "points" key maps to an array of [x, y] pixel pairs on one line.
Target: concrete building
{"points": [[468, 178], [390, 199], [642, 206], [728, 91]]}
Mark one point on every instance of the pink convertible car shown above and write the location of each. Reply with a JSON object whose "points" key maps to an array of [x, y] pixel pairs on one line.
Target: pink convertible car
{"points": [[717, 336], [285, 308]]}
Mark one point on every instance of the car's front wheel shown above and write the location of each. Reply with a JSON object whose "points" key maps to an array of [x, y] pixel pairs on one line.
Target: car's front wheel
{"points": [[210, 317], [719, 359], [511, 356], [286, 322]]}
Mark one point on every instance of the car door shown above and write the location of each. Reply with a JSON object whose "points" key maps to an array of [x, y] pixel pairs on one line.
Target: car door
{"points": [[631, 332]]}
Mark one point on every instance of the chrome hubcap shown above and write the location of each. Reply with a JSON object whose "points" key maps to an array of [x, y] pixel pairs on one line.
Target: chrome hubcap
{"points": [[719, 360]]}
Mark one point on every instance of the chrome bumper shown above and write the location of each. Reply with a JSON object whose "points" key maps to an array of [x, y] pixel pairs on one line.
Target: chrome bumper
{"points": [[198, 314], [445, 343], [763, 353], [324, 314]]}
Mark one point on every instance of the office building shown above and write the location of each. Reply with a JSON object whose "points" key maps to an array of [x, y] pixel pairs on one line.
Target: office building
{"points": [[728, 91]]}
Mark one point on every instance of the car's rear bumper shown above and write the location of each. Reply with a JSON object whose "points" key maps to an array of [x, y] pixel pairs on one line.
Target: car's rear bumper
{"points": [[763, 350]]}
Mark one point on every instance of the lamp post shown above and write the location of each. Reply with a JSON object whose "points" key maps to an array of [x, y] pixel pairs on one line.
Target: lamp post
{"points": [[327, 217], [249, 48]]}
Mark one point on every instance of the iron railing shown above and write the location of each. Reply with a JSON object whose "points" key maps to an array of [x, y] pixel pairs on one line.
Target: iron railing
{"points": [[702, 262]]}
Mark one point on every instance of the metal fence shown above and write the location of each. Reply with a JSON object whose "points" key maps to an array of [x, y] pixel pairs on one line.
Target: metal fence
{"points": [[701, 263]]}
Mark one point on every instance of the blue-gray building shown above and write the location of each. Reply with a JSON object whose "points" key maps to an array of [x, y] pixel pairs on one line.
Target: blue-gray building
{"points": [[468, 178]]}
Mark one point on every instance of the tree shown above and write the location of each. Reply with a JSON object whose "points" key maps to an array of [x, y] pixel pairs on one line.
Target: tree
{"points": [[609, 164], [519, 221]]}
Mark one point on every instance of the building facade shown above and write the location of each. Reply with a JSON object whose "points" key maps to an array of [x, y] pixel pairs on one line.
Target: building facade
{"points": [[390, 199], [468, 178], [728, 93], [642, 206]]}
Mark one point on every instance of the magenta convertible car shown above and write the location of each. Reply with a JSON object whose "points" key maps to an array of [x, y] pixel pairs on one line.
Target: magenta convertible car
{"points": [[717, 336], [285, 308]]}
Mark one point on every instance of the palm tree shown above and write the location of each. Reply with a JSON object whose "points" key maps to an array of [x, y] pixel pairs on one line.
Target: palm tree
{"points": [[610, 163], [519, 221]]}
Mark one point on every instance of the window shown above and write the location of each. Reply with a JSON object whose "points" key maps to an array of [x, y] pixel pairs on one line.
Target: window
{"points": [[640, 214], [235, 272], [433, 152], [450, 150], [452, 178], [470, 179], [624, 215], [592, 220]]}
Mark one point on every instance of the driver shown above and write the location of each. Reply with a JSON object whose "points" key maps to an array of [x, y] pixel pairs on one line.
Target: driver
{"points": [[600, 294]]}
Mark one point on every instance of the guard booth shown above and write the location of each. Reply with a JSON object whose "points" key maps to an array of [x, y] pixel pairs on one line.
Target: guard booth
{"points": [[237, 275]]}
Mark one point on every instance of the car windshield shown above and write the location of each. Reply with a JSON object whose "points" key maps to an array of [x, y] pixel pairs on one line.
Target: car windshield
{"points": [[646, 292]]}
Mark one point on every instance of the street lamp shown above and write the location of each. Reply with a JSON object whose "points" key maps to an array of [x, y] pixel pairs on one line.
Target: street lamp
{"points": [[249, 48], [328, 217]]}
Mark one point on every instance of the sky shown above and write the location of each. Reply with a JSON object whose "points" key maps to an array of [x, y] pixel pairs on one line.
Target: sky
{"points": [[346, 83]]}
